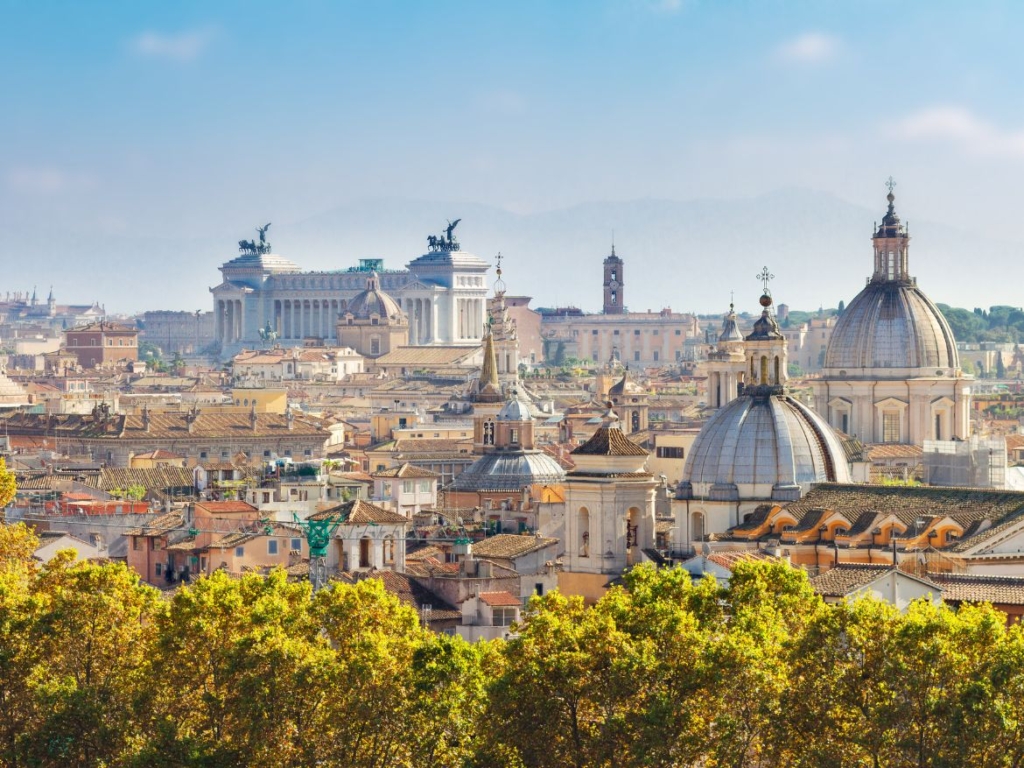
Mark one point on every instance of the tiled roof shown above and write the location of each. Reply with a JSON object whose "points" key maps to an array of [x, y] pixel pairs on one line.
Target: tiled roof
{"points": [[414, 594], [432, 356], [162, 426], [226, 507], [160, 524], [357, 512], [729, 560], [964, 505], [423, 552], [500, 599], [975, 588], [407, 471], [609, 441], [880, 451], [174, 481], [846, 578], [507, 546]]}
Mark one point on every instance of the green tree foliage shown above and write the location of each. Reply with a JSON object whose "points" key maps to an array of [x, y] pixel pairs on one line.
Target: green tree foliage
{"points": [[97, 670], [999, 324]]}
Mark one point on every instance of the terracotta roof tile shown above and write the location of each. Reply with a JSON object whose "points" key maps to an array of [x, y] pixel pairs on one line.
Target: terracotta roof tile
{"points": [[508, 546], [407, 471], [358, 511], [976, 588], [500, 599]]}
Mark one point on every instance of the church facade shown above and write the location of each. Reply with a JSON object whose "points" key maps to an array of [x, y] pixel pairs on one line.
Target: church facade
{"points": [[264, 296]]}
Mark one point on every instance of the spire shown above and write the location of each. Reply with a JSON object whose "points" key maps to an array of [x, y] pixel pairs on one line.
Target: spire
{"points": [[499, 284], [50, 298], [490, 387]]}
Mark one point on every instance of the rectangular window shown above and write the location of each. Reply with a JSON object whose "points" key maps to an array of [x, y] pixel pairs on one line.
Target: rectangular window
{"points": [[670, 452], [239, 551], [297, 545], [272, 547], [636, 356], [890, 427], [679, 354], [159, 568], [407, 486], [615, 332], [594, 332], [503, 617], [424, 486], [678, 332], [655, 355]]}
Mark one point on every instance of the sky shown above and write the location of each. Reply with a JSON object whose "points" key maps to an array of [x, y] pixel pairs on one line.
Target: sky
{"points": [[193, 119]]}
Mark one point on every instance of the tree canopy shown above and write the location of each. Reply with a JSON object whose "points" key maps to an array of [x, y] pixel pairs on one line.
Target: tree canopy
{"points": [[97, 668]]}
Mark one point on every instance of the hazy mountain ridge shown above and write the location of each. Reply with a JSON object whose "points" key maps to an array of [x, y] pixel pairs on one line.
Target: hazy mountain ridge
{"points": [[687, 255]]}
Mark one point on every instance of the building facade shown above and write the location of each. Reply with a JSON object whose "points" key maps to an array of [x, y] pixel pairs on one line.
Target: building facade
{"points": [[102, 343], [442, 293]]}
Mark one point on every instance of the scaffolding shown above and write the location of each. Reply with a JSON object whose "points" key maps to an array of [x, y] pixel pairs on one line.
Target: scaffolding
{"points": [[974, 463]]}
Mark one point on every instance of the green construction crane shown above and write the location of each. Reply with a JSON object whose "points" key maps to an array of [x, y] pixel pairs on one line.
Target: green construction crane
{"points": [[318, 538]]}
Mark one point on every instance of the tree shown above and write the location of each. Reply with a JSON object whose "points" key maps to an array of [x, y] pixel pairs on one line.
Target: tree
{"points": [[8, 486], [90, 632]]}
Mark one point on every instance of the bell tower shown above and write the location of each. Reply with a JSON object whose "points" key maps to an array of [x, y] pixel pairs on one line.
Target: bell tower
{"points": [[613, 296]]}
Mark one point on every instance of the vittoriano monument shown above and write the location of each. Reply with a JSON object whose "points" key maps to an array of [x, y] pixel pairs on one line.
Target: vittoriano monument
{"points": [[254, 248], [445, 242]]}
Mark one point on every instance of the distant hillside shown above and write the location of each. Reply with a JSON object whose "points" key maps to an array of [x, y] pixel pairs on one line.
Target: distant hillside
{"points": [[686, 255]]}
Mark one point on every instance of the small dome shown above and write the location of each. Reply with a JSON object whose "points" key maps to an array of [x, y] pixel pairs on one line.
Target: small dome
{"points": [[626, 386], [509, 471], [769, 441], [515, 410], [891, 324], [373, 301]]}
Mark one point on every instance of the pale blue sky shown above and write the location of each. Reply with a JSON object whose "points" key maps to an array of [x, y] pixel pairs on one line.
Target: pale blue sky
{"points": [[135, 118]]}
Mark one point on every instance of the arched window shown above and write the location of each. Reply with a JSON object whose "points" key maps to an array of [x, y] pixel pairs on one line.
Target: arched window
{"points": [[764, 370], [488, 433], [584, 531], [635, 421], [389, 551], [778, 372], [696, 526]]}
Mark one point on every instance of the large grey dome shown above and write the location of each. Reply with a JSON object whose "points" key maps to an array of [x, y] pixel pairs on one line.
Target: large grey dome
{"points": [[891, 324], [764, 440]]}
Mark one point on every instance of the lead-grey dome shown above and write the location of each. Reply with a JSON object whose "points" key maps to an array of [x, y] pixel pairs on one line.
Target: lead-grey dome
{"points": [[891, 324], [509, 471], [764, 440], [373, 301]]}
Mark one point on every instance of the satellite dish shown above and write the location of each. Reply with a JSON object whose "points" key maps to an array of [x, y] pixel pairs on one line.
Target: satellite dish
{"points": [[705, 549]]}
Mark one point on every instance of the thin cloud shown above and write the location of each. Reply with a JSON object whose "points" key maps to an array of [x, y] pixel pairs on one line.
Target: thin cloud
{"points": [[809, 48], [182, 47], [46, 181], [961, 127]]}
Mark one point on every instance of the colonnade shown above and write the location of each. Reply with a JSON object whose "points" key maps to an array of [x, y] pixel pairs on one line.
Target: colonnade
{"points": [[301, 318]]}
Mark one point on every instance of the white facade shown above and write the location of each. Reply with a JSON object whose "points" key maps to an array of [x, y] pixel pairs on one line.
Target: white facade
{"points": [[443, 294]]}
